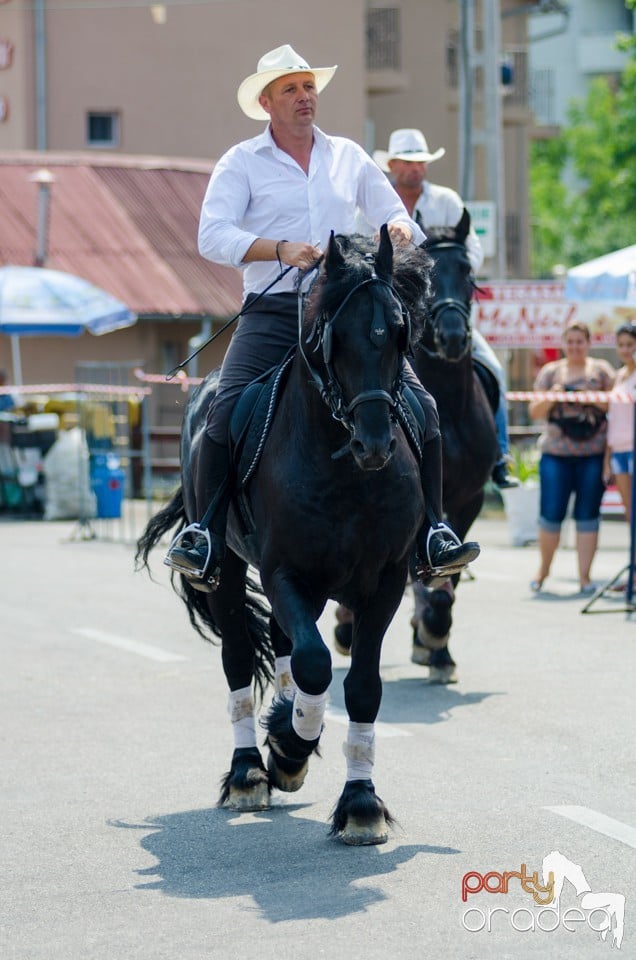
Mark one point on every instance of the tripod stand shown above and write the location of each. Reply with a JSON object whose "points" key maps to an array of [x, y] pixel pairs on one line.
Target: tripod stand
{"points": [[630, 605]]}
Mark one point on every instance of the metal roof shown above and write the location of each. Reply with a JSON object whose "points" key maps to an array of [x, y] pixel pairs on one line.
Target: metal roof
{"points": [[126, 223]]}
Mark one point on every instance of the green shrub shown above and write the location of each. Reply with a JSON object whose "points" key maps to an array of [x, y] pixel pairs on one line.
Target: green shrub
{"points": [[524, 462]]}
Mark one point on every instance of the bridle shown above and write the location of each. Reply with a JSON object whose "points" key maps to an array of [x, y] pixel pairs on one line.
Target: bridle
{"points": [[329, 388], [439, 306]]}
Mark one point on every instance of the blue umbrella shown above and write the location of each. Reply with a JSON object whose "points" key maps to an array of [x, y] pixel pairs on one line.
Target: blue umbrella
{"points": [[611, 277], [35, 301]]}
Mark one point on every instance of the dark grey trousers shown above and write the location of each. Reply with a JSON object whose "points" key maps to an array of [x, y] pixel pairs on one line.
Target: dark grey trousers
{"points": [[261, 340]]}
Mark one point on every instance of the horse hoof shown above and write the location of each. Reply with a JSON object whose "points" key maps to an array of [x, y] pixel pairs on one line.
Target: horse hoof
{"points": [[289, 781], [246, 799], [360, 817], [446, 674], [343, 638], [246, 786], [358, 834]]}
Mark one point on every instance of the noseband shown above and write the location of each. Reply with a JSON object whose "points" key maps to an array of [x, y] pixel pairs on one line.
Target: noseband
{"points": [[330, 389]]}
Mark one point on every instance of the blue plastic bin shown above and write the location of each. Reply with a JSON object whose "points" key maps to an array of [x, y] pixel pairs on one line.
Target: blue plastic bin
{"points": [[107, 482]]}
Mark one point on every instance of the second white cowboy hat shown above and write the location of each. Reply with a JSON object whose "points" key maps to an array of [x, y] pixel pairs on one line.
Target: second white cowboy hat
{"points": [[277, 63], [406, 144]]}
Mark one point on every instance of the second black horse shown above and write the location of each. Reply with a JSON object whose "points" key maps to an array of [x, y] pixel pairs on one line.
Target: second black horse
{"points": [[442, 359]]}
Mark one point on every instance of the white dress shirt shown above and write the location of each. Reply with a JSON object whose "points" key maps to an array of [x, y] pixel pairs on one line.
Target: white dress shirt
{"points": [[442, 207], [258, 191]]}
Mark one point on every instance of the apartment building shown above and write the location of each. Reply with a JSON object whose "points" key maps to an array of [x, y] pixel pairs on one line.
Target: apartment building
{"points": [[161, 78], [569, 47]]}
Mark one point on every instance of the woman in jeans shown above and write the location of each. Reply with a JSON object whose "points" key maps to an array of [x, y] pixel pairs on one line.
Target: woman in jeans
{"points": [[571, 453], [619, 453]]}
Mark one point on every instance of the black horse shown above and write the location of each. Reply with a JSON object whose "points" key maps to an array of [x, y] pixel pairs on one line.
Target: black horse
{"points": [[465, 399], [335, 503]]}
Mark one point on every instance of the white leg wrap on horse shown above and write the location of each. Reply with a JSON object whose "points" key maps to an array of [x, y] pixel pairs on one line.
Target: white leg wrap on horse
{"points": [[308, 713], [283, 680], [359, 749], [240, 706]]}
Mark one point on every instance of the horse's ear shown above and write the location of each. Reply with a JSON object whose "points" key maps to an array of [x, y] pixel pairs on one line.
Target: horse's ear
{"points": [[384, 256], [334, 260], [462, 228]]}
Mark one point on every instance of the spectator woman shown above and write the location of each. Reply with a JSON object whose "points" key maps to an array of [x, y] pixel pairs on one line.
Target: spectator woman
{"points": [[619, 453], [572, 452]]}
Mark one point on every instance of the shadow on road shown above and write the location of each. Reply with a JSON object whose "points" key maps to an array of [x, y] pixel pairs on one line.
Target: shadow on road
{"points": [[412, 700], [285, 863]]}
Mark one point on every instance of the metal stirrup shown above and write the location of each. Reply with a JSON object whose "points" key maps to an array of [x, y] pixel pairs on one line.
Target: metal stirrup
{"points": [[188, 571], [441, 527]]}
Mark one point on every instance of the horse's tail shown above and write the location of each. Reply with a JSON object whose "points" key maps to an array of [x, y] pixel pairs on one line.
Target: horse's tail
{"points": [[163, 521], [257, 623], [257, 613]]}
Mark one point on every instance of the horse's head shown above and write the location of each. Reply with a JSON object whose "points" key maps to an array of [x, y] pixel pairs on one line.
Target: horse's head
{"points": [[355, 335], [447, 332]]}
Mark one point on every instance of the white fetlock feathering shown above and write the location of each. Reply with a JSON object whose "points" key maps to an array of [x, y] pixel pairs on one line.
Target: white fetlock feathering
{"points": [[240, 706], [308, 714], [283, 679], [359, 749]]}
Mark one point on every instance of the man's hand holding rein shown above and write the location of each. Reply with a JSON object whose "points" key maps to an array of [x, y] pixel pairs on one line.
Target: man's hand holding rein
{"points": [[293, 253]]}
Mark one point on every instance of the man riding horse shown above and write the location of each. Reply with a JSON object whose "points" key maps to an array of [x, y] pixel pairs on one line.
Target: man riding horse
{"points": [[273, 200], [432, 205]]}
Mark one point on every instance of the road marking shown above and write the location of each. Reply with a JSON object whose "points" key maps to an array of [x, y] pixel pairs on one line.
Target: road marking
{"points": [[132, 646], [598, 822], [381, 729]]}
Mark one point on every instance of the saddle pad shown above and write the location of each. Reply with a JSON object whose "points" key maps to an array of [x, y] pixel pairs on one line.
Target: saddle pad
{"points": [[251, 419]]}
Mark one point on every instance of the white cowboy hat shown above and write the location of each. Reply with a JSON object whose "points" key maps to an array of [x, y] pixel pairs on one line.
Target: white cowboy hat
{"points": [[277, 63], [406, 144]]}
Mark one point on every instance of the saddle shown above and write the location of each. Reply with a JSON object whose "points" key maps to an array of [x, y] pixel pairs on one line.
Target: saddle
{"points": [[489, 383], [252, 418]]}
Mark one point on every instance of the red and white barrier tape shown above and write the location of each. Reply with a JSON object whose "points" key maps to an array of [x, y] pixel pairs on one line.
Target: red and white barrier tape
{"points": [[103, 389], [180, 379], [185, 382], [567, 396]]}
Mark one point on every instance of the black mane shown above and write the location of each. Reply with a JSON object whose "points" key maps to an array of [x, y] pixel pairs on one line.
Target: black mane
{"points": [[411, 276]]}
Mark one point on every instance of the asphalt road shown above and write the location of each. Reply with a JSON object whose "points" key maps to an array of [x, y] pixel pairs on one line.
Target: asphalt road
{"points": [[114, 735]]}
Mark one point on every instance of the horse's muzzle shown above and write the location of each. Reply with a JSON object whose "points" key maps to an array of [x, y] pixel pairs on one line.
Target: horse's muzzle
{"points": [[372, 454], [454, 347]]}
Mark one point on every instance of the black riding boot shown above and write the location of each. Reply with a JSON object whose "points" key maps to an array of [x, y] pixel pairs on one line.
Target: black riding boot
{"points": [[439, 552], [501, 477], [197, 551]]}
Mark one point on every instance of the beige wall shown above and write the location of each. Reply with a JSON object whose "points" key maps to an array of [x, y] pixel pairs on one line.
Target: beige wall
{"points": [[153, 345], [175, 84], [17, 80]]}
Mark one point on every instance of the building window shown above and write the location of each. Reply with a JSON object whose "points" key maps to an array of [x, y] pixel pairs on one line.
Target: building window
{"points": [[102, 129], [383, 38]]}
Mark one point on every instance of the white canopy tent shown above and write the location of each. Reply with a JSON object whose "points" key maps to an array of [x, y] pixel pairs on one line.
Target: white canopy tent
{"points": [[610, 277]]}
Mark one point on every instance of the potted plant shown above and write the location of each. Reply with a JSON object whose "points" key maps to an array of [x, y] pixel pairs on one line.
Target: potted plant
{"points": [[522, 503]]}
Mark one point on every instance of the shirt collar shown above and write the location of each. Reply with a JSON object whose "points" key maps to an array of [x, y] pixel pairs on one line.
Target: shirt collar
{"points": [[265, 141]]}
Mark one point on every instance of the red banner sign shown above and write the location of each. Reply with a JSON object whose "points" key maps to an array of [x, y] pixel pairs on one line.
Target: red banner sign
{"points": [[534, 314]]}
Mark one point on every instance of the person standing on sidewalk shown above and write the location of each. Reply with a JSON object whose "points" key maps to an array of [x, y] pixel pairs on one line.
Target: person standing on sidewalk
{"points": [[572, 451]]}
